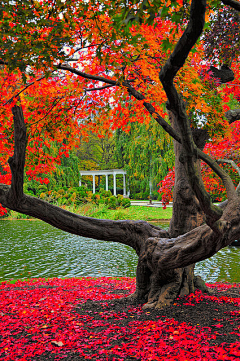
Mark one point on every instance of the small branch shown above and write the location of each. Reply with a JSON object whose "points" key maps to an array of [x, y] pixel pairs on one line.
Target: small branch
{"points": [[131, 91], [150, 108], [233, 3], [227, 181], [235, 166], [85, 75], [55, 102], [27, 86], [230, 161], [99, 88]]}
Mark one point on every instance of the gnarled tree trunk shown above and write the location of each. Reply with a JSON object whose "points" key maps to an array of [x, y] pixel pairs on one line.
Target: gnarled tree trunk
{"points": [[160, 288]]}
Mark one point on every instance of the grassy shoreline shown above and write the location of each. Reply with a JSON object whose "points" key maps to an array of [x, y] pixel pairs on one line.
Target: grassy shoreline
{"points": [[144, 213]]}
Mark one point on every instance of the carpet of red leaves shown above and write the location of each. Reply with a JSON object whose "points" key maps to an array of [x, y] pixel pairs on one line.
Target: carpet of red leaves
{"points": [[80, 319]]}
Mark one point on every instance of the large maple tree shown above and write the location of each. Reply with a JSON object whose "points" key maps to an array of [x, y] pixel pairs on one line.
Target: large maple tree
{"points": [[119, 61]]}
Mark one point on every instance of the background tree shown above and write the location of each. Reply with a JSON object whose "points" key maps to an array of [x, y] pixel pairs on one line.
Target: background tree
{"points": [[146, 153], [152, 73]]}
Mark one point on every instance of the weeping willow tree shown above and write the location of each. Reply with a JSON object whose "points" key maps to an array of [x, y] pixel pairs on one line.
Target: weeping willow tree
{"points": [[67, 173], [146, 153]]}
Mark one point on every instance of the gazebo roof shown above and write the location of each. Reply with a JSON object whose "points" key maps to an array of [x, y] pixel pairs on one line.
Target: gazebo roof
{"points": [[102, 172]]}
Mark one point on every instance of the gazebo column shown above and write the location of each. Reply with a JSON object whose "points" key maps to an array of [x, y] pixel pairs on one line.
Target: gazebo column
{"points": [[106, 182], [114, 185], [80, 182], [94, 190], [124, 185]]}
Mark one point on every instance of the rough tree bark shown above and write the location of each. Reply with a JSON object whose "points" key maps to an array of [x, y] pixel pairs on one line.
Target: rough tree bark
{"points": [[166, 258]]}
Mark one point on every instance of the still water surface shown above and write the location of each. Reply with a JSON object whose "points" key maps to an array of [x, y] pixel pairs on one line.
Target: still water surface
{"points": [[35, 249]]}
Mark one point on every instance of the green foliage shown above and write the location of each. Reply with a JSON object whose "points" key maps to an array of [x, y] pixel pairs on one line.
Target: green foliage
{"points": [[32, 17], [77, 196], [97, 153], [112, 202], [67, 173], [126, 203], [146, 153], [42, 188]]}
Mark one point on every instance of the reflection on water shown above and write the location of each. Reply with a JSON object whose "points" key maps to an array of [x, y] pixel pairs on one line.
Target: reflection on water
{"points": [[223, 266], [35, 249]]}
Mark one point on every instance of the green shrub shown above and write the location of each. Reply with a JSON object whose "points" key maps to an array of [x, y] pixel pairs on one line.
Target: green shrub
{"points": [[42, 188], [61, 191], [105, 194], [30, 193], [145, 195], [96, 198], [112, 202], [126, 203], [138, 195], [82, 191], [120, 199]]}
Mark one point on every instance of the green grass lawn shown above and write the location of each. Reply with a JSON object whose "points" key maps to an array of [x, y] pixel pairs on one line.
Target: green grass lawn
{"points": [[102, 212], [133, 212]]}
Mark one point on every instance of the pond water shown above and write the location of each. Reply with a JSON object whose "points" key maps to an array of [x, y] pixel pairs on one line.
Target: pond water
{"points": [[30, 249]]}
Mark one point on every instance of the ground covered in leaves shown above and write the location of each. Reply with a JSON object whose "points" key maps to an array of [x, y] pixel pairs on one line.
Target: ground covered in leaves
{"points": [[82, 319]]}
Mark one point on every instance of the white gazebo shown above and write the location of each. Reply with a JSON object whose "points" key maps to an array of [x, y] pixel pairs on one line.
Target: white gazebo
{"points": [[108, 172]]}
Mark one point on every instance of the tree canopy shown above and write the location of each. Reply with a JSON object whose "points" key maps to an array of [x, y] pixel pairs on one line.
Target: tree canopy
{"points": [[81, 68]]}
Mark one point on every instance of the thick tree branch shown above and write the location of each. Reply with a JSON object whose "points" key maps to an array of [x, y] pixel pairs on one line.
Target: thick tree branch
{"points": [[17, 162], [224, 74], [186, 42], [233, 3], [235, 166], [131, 233], [176, 106], [196, 245]]}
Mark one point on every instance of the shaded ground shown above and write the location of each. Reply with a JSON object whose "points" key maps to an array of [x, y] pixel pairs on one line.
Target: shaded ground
{"points": [[90, 324]]}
